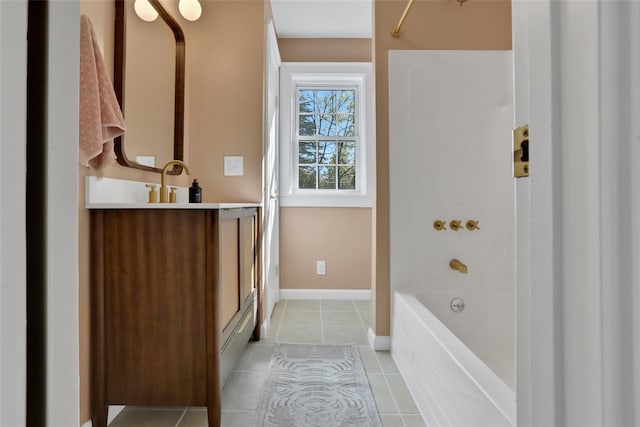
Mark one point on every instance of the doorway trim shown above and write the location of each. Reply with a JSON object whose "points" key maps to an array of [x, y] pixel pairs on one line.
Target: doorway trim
{"points": [[271, 179], [578, 342], [13, 90]]}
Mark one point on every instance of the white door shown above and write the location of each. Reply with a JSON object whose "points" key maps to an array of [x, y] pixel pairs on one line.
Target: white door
{"points": [[270, 242], [578, 84]]}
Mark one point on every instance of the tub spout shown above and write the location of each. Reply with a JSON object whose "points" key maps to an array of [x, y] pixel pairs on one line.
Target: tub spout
{"points": [[456, 264]]}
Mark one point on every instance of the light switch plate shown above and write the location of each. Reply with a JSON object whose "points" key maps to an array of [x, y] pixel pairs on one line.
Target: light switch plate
{"points": [[321, 268], [233, 166], [146, 160]]}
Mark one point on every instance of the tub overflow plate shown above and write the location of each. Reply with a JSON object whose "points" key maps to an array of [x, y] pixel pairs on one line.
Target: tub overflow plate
{"points": [[457, 305]]}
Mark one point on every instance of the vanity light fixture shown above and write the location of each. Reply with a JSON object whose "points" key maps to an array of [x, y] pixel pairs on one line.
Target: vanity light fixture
{"points": [[145, 11], [190, 9]]}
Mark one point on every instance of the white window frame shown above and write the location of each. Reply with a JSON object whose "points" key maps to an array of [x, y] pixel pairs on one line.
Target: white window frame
{"points": [[329, 75]]}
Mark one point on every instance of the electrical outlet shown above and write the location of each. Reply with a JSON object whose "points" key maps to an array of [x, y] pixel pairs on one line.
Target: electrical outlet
{"points": [[321, 268]]}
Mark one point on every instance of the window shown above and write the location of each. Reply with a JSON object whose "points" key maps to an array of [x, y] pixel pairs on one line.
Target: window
{"points": [[325, 146], [326, 138]]}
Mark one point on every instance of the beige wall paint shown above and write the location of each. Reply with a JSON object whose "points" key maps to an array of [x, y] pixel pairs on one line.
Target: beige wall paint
{"points": [[325, 50], [223, 115], [337, 235], [341, 237], [102, 14], [225, 55], [479, 24]]}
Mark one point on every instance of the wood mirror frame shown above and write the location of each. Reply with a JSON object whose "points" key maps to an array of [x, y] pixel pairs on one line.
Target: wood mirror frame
{"points": [[119, 77]]}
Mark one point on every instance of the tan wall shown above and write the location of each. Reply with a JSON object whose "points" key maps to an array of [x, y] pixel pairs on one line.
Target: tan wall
{"points": [[339, 236], [441, 25], [225, 55], [223, 115], [325, 50]]}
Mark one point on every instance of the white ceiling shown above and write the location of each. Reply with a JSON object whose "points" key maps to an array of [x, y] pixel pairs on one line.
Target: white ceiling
{"points": [[322, 18]]}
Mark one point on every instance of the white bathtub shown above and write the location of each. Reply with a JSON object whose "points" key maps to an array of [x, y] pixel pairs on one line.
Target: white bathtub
{"points": [[450, 384]]}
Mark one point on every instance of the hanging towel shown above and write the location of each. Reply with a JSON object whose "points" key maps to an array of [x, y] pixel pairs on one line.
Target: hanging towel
{"points": [[100, 115]]}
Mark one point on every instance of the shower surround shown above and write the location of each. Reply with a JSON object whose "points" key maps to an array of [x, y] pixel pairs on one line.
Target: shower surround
{"points": [[450, 154]]}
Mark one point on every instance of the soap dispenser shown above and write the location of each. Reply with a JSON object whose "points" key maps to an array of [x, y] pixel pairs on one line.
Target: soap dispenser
{"points": [[153, 194], [195, 192]]}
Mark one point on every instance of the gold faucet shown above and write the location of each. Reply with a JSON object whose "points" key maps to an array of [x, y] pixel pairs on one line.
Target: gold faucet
{"points": [[164, 196], [456, 264]]}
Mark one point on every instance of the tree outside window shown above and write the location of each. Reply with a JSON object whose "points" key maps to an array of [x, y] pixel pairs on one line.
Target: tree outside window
{"points": [[327, 138]]}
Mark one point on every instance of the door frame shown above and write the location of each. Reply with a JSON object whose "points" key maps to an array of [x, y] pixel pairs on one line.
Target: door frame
{"points": [[577, 73], [536, 317], [63, 350], [13, 90], [272, 59]]}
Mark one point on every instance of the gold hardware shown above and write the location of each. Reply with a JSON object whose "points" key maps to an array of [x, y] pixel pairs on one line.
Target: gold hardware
{"points": [[521, 151], [396, 31], [172, 194], [472, 225], [455, 225], [440, 225], [456, 264], [153, 195], [163, 187]]}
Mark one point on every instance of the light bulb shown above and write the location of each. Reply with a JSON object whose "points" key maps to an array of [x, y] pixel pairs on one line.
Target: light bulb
{"points": [[145, 11], [190, 9]]}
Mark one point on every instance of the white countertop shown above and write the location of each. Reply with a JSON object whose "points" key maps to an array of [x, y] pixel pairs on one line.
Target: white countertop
{"points": [[110, 193], [171, 205]]}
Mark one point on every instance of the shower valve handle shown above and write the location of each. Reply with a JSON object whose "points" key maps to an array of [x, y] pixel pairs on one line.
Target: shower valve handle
{"points": [[440, 225], [473, 225]]}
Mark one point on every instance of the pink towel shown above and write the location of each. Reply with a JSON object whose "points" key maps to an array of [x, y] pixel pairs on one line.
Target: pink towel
{"points": [[100, 115]]}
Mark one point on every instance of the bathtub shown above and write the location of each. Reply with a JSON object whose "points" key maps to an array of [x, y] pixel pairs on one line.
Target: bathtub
{"points": [[450, 384]]}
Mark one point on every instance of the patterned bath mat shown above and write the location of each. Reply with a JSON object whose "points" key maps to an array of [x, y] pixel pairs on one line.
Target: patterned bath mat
{"points": [[316, 386]]}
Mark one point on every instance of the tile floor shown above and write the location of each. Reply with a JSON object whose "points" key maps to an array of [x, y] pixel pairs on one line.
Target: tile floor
{"points": [[295, 321]]}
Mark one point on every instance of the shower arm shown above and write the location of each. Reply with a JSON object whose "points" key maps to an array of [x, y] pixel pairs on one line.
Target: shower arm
{"points": [[396, 31]]}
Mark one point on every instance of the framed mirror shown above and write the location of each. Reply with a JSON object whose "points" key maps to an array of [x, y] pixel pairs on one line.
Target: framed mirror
{"points": [[149, 74]]}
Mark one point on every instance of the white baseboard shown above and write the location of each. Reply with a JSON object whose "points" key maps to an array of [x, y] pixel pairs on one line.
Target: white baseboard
{"points": [[88, 424], [378, 342], [359, 294]]}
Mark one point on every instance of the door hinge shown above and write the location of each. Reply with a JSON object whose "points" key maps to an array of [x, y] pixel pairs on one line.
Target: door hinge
{"points": [[521, 151]]}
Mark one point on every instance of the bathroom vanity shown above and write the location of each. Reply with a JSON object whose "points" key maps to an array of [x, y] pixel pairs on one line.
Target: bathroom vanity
{"points": [[174, 302]]}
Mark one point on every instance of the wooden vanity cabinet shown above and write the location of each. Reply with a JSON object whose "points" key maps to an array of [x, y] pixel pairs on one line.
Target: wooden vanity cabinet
{"points": [[160, 278]]}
